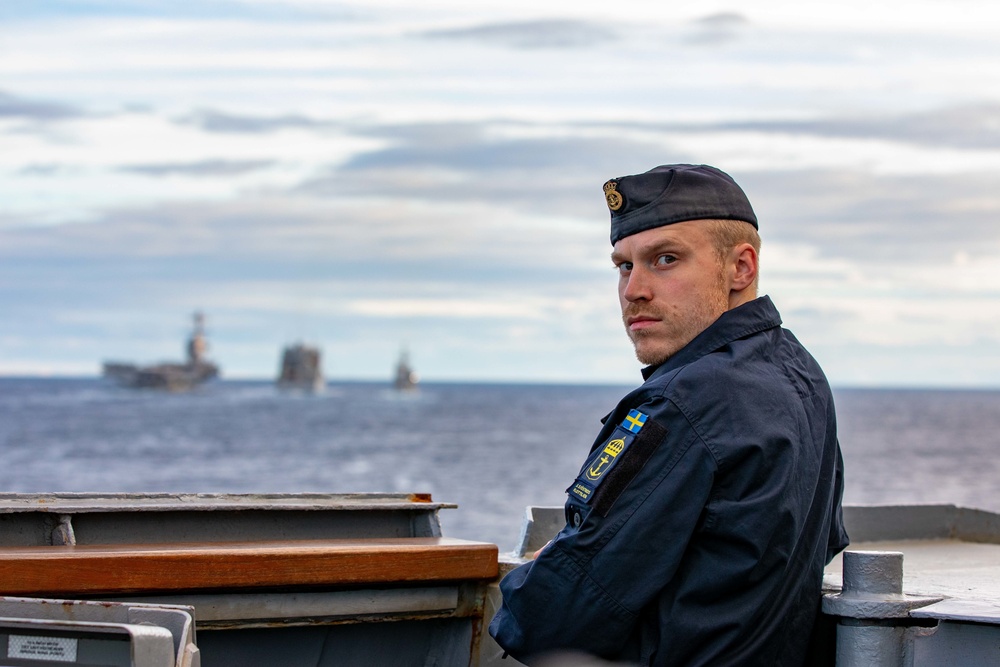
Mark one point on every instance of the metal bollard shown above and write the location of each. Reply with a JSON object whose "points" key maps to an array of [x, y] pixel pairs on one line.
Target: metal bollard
{"points": [[873, 626], [873, 574]]}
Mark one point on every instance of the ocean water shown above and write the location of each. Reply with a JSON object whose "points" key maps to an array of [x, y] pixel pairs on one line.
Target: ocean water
{"points": [[492, 449]]}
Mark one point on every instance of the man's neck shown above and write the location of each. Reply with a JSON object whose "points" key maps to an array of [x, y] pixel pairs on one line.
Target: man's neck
{"points": [[739, 297]]}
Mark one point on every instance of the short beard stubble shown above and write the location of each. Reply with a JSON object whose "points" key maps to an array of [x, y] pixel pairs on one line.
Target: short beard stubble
{"points": [[681, 327]]}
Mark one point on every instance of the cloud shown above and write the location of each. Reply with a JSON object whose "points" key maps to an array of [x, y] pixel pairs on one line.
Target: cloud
{"points": [[377, 243], [716, 29], [216, 121], [540, 34], [486, 155], [27, 109], [541, 169], [177, 9], [203, 168], [723, 20], [451, 308], [524, 169], [847, 212], [974, 126], [871, 218], [41, 170]]}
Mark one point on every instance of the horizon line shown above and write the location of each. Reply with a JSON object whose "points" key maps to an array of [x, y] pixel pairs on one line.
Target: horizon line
{"points": [[508, 381]]}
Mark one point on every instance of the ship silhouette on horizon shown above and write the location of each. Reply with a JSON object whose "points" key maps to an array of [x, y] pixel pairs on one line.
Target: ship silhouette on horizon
{"points": [[169, 376], [406, 379], [301, 369]]}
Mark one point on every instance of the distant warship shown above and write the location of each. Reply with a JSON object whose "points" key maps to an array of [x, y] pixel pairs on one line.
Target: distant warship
{"points": [[169, 376], [301, 369], [406, 379]]}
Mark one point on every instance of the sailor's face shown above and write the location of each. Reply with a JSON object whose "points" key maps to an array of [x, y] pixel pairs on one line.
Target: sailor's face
{"points": [[671, 286]]}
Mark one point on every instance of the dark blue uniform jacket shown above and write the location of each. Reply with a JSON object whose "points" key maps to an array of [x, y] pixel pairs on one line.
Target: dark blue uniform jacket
{"points": [[699, 526]]}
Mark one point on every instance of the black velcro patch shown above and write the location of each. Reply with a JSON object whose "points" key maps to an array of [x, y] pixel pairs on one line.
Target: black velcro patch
{"points": [[621, 476]]}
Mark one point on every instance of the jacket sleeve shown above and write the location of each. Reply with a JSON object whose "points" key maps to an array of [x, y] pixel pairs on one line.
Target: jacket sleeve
{"points": [[586, 589]]}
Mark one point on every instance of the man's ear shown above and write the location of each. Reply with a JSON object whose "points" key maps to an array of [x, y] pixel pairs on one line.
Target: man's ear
{"points": [[742, 267]]}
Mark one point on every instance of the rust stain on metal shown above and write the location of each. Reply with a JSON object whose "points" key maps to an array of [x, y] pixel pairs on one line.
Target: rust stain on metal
{"points": [[477, 635], [420, 498]]}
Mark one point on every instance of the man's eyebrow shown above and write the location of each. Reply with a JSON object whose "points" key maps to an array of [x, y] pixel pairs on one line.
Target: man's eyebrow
{"points": [[661, 246], [670, 244]]}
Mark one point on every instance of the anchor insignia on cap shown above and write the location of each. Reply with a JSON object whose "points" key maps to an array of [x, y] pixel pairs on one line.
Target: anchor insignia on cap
{"points": [[614, 197]]}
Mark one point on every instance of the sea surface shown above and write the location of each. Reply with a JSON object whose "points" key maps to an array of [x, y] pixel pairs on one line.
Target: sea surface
{"points": [[492, 449]]}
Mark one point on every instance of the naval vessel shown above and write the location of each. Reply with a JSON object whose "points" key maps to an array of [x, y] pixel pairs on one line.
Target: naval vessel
{"points": [[301, 369], [405, 378], [195, 370]]}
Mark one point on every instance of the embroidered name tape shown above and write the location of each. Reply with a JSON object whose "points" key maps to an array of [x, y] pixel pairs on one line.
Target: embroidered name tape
{"points": [[606, 456]]}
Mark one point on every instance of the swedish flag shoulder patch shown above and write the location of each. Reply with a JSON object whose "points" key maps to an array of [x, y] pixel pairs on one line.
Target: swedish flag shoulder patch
{"points": [[634, 420]]}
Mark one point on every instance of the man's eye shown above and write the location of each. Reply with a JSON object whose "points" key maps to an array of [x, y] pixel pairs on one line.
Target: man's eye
{"points": [[624, 267], [663, 260]]}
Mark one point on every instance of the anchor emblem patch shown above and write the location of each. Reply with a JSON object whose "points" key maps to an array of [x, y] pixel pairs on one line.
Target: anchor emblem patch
{"points": [[606, 459]]}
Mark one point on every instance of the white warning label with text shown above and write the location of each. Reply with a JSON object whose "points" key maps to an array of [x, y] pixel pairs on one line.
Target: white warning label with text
{"points": [[58, 649]]}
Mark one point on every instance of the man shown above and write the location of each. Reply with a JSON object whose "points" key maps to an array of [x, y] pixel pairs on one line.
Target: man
{"points": [[699, 526]]}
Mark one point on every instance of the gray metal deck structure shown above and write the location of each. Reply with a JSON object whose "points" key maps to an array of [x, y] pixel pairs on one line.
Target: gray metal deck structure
{"points": [[418, 624]]}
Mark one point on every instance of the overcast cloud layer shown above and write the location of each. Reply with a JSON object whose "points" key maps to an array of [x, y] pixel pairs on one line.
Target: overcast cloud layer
{"points": [[369, 176]]}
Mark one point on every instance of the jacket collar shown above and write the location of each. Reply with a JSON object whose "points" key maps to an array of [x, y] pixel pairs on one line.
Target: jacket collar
{"points": [[750, 318]]}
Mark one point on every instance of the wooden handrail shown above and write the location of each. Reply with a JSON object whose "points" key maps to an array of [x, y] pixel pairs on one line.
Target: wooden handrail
{"points": [[126, 569]]}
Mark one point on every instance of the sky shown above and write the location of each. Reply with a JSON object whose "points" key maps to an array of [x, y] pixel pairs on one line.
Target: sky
{"points": [[382, 175]]}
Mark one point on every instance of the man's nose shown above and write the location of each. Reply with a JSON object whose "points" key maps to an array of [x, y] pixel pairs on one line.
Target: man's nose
{"points": [[637, 286]]}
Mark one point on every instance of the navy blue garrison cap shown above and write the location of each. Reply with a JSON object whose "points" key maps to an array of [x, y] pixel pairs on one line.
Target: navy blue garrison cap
{"points": [[674, 193]]}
